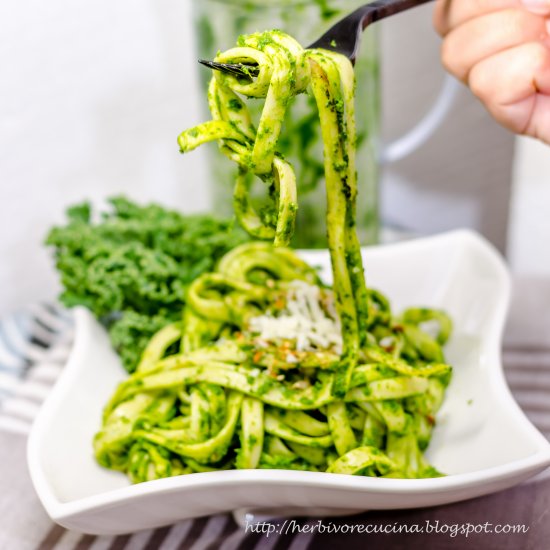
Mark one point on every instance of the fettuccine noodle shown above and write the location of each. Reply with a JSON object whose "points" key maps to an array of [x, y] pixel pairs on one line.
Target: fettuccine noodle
{"points": [[285, 70], [269, 368]]}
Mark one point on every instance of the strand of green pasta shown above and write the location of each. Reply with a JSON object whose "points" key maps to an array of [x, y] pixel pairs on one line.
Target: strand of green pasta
{"points": [[349, 282], [353, 247], [285, 69], [282, 74]]}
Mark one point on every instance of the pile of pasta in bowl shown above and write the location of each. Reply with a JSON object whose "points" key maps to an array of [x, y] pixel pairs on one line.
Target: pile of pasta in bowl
{"points": [[247, 380]]}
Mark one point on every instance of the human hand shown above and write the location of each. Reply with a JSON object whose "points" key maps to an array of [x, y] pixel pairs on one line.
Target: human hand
{"points": [[501, 50]]}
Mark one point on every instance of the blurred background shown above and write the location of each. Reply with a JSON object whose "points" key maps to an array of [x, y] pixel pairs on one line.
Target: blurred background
{"points": [[94, 93]]}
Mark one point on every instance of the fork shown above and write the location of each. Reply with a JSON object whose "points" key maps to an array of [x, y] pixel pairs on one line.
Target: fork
{"points": [[344, 37]]}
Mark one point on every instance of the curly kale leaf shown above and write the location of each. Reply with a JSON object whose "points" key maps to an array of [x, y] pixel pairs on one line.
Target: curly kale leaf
{"points": [[135, 263]]}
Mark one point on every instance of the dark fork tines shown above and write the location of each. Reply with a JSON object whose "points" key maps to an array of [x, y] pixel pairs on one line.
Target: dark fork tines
{"points": [[236, 69], [344, 37]]}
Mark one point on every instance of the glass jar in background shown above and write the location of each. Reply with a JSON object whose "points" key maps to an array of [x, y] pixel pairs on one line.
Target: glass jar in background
{"points": [[218, 24]]}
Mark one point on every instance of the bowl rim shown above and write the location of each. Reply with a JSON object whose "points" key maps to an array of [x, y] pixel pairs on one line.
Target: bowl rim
{"points": [[59, 509]]}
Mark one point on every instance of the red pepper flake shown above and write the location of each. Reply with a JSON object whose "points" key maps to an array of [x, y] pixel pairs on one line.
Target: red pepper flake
{"points": [[430, 419], [257, 357]]}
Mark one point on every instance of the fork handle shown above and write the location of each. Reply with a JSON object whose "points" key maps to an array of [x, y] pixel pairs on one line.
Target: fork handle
{"points": [[346, 33], [384, 8]]}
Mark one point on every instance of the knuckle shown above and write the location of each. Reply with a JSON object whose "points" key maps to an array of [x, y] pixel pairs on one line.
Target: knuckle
{"points": [[438, 18], [515, 21], [539, 54], [449, 57], [446, 54], [479, 84], [522, 24], [444, 15]]}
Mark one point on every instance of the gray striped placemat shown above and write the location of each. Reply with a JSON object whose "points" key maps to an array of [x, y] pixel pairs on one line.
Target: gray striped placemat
{"points": [[34, 346]]}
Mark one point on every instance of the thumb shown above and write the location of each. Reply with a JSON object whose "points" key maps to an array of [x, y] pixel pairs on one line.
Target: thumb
{"points": [[540, 7]]}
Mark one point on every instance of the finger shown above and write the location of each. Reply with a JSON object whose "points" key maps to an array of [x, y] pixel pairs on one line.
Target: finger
{"points": [[539, 126], [449, 14], [510, 84], [541, 7], [485, 36]]}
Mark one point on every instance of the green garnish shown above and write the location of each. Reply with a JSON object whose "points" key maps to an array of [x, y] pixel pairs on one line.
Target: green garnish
{"points": [[133, 266]]}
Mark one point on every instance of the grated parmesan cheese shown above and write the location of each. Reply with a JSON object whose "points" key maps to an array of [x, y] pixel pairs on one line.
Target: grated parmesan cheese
{"points": [[303, 320]]}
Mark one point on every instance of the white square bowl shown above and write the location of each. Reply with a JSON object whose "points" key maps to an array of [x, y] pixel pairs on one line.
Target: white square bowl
{"points": [[482, 440]]}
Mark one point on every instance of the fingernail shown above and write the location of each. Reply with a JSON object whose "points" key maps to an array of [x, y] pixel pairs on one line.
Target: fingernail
{"points": [[537, 6]]}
